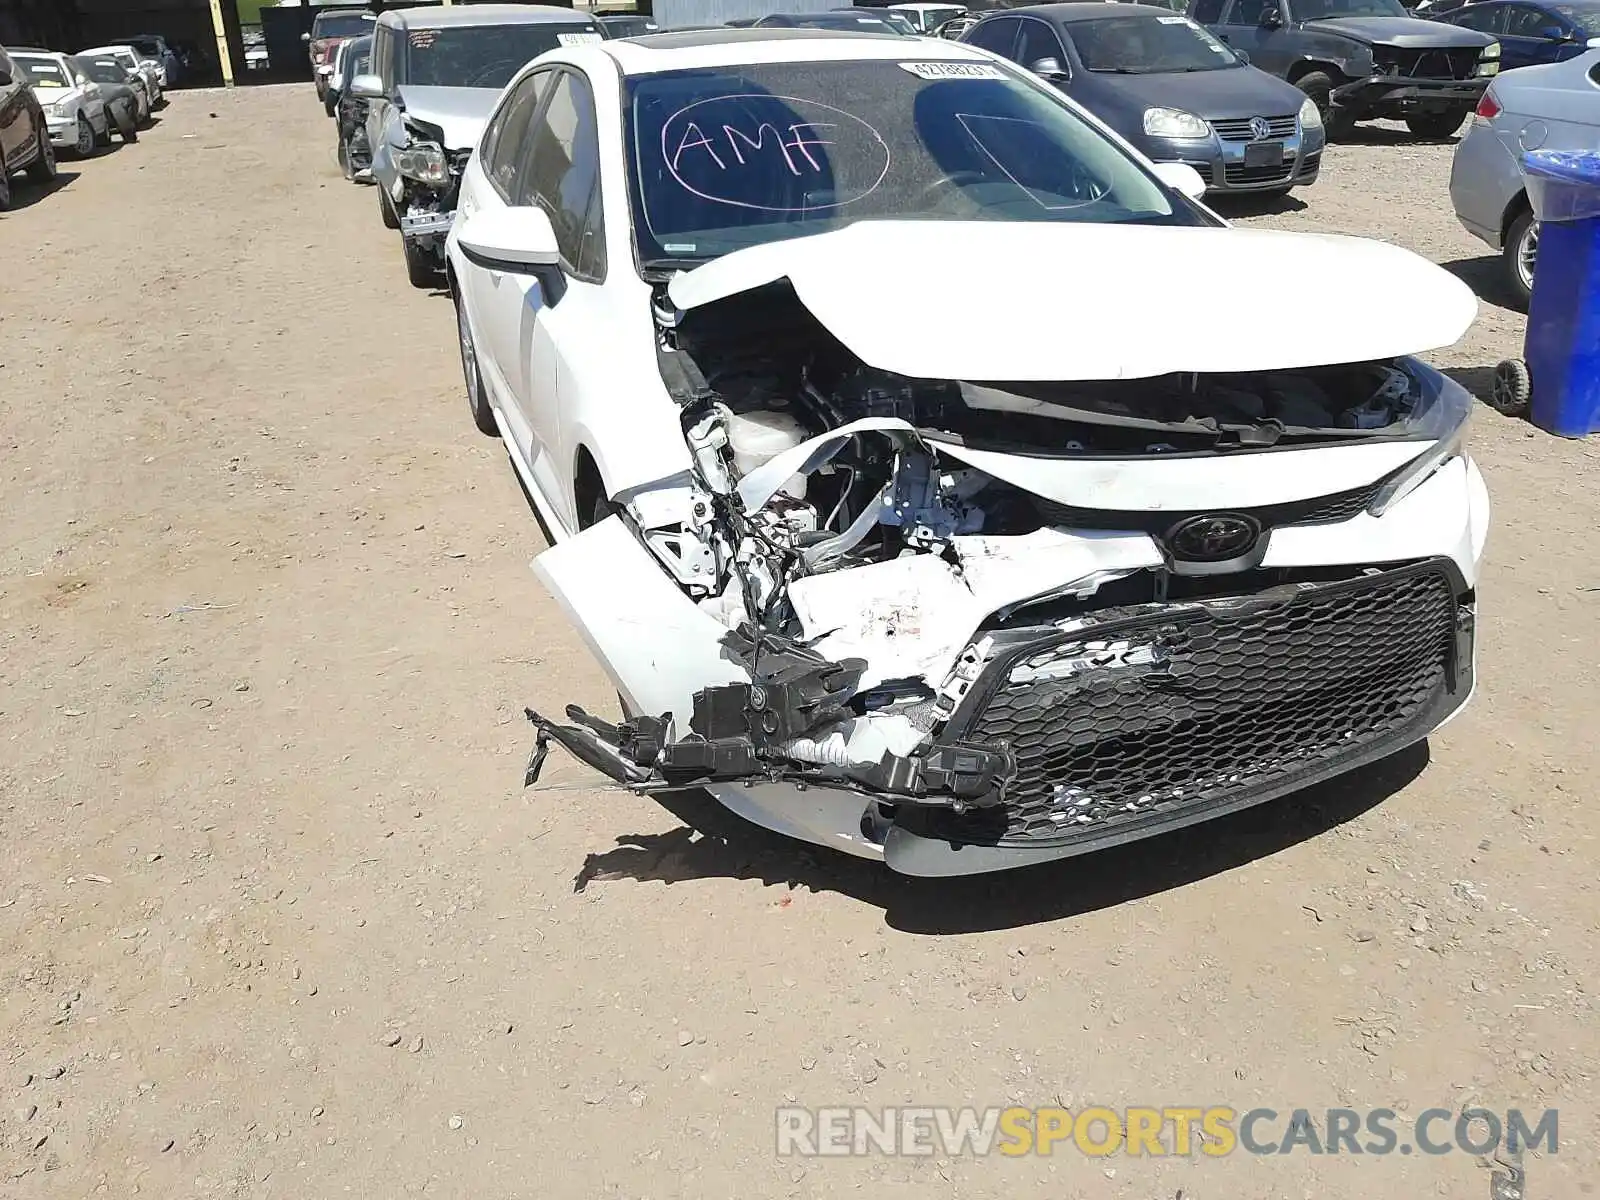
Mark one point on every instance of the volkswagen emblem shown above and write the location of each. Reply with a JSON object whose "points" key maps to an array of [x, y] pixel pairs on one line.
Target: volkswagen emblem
{"points": [[1259, 129], [1212, 538]]}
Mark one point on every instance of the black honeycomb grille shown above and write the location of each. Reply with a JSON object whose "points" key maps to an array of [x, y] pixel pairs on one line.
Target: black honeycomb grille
{"points": [[1196, 706]]}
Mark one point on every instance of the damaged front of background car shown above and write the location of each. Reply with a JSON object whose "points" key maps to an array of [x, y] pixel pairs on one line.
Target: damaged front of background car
{"points": [[975, 594]]}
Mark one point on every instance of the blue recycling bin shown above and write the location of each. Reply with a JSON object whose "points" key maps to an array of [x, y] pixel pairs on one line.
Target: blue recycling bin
{"points": [[1562, 344]]}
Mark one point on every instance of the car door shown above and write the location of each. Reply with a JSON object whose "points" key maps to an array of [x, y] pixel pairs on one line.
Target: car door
{"points": [[1246, 25], [379, 109], [494, 299], [560, 173], [14, 128]]}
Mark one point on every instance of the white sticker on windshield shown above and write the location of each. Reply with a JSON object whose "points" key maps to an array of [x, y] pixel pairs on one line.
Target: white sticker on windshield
{"points": [[577, 39], [953, 70]]}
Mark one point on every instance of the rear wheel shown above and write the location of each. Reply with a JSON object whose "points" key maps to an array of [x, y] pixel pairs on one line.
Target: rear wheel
{"points": [[43, 167], [1519, 253], [1319, 85], [1437, 126], [477, 398], [5, 188], [103, 138], [1512, 388]]}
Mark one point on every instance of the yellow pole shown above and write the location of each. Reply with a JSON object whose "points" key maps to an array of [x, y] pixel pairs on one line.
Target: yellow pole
{"points": [[224, 55]]}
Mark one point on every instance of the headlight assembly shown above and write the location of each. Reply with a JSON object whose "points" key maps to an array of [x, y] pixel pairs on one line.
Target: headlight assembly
{"points": [[1310, 114], [1488, 61], [425, 162], [1444, 415], [1174, 123]]}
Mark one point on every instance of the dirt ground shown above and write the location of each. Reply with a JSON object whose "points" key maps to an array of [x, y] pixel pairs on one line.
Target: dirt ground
{"points": [[266, 632]]}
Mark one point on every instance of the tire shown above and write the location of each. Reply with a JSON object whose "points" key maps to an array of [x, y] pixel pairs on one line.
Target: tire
{"points": [[1512, 389], [391, 220], [422, 269], [84, 147], [1437, 126], [1319, 85], [43, 167], [344, 160], [477, 397], [128, 126], [1519, 254], [5, 189], [103, 139]]}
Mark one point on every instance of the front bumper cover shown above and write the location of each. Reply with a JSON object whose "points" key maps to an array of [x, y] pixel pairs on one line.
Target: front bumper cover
{"points": [[1397, 95]]}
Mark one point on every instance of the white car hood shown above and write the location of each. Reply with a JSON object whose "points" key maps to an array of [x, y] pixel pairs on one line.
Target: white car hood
{"points": [[460, 113], [1040, 301]]}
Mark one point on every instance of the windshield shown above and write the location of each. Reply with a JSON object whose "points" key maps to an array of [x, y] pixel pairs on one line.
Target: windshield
{"points": [[723, 159], [834, 20], [100, 70], [358, 57], [43, 72], [1147, 45], [1586, 19], [149, 49], [485, 56], [1316, 10], [341, 26]]}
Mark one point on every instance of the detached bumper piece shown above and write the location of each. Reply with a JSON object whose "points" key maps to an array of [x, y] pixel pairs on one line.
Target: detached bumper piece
{"points": [[1166, 718], [1396, 94], [745, 732]]}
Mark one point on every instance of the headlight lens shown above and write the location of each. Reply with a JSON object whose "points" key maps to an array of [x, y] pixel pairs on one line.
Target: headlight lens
{"points": [[425, 162], [1444, 414], [1310, 115], [1174, 123], [58, 110], [1489, 61]]}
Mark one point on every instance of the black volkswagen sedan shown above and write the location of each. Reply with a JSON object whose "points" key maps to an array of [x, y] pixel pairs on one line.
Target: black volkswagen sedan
{"points": [[1170, 87]]}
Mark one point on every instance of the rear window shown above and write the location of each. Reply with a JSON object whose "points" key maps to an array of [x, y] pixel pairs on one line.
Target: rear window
{"points": [[341, 25], [485, 56]]}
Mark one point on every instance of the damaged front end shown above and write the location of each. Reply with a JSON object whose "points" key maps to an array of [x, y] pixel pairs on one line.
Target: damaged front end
{"points": [[965, 625], [427, 184]]}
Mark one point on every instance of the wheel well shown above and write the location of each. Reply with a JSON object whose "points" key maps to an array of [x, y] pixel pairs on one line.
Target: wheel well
{"points": [[1515, 209], [588, 488], [1300, 70]]}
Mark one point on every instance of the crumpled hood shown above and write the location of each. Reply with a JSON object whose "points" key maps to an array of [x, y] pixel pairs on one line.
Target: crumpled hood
{"points": [[1037, 301], [460, 113], [1408, 33]]}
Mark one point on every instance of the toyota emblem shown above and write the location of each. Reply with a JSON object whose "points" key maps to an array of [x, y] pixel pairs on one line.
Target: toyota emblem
{"points": [[1211, 538], [1259, 129]]}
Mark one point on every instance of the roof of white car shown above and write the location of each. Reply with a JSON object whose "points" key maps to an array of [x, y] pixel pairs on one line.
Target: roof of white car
{"points": [[650, 53], [924, 6], [461, 15]]}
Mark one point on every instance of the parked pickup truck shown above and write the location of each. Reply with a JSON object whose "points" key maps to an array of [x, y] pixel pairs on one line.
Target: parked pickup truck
{"points": [[1360, 60]]}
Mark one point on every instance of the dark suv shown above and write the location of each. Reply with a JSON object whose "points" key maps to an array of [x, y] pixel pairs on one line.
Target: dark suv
{"points": [[1361, 59], [24, 135]]}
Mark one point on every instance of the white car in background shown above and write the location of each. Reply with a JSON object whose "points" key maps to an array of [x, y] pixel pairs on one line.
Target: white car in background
{"points": [[926, 17], [901, 518], [72, 103], [154, 75]]}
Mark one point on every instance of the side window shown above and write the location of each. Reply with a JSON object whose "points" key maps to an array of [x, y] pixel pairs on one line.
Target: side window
{"points": [[999, 35], [380, 54], [1488, 18], [1039, 41], [507, 136], [561, 173], [1523, 21], [1247, 12], [1207, 12]]}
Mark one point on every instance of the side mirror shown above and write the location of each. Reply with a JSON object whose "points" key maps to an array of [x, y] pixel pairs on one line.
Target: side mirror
{"points": [[519, 241], [1592, 44], [367, 87], [1181, 177], [1244, 59], [305, 37], [1049, 68], [1272, 19], [81, 80], [5, 77]]}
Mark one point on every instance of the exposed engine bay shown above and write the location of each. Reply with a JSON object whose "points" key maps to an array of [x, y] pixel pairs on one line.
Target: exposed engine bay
{"points": [[865, 574]]}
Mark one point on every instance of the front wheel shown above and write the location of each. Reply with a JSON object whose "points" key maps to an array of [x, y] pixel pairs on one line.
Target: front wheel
{"points": [[84, 146], [391, 219], [1437, 126], [1519, 254], [1318, 87], [422, 269]]}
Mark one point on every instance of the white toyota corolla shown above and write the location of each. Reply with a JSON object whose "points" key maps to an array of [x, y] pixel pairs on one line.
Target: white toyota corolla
{"points": [[933, 476]]}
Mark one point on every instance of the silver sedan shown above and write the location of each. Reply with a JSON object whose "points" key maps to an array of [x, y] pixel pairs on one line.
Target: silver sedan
{"points": [[1533, 108]]}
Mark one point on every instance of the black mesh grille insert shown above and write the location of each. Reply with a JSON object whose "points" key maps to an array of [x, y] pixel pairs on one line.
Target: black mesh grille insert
{"points": [[1197, 705]]}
